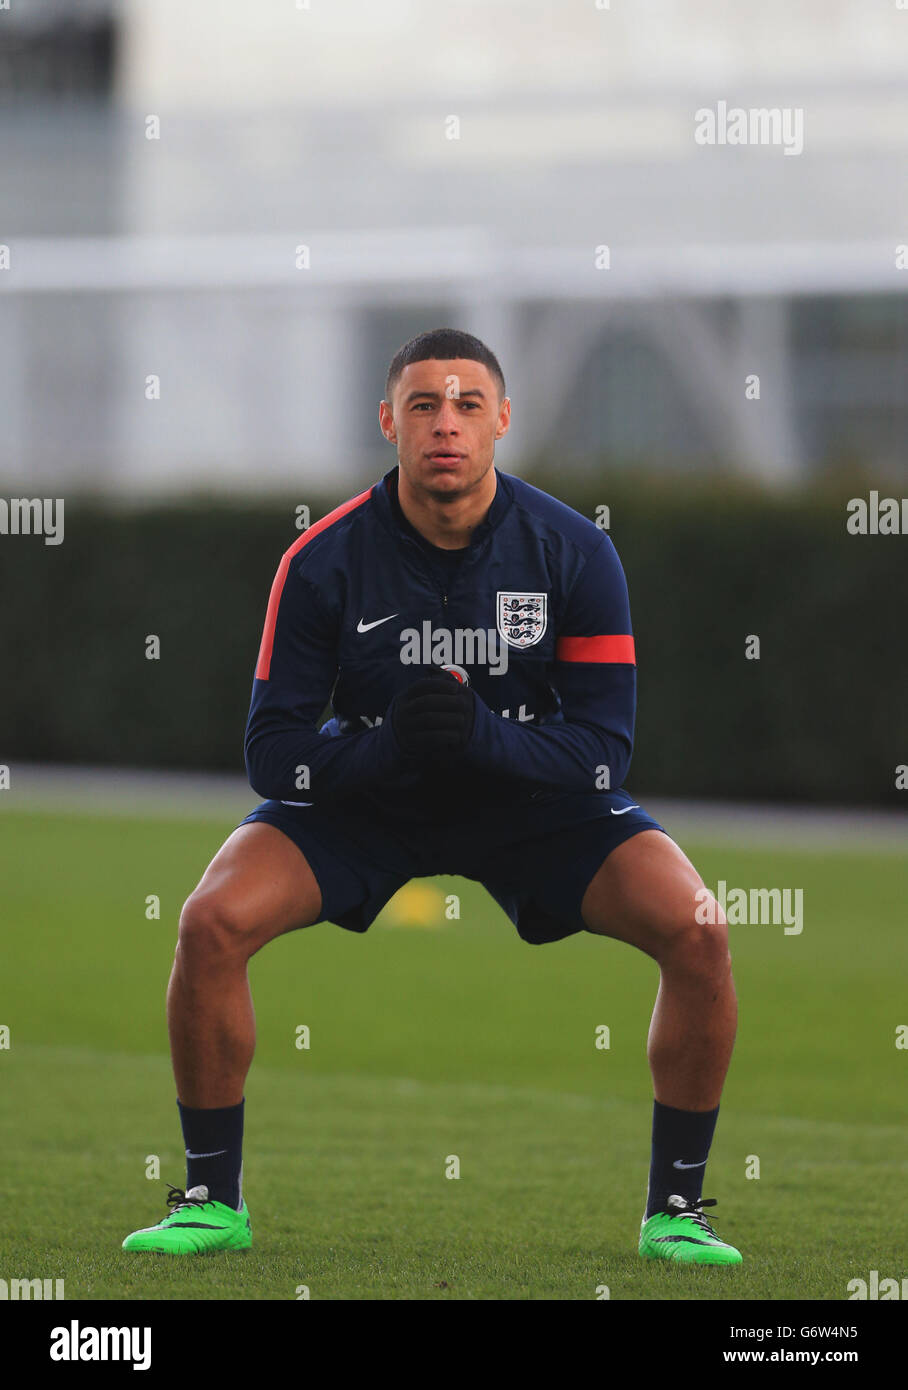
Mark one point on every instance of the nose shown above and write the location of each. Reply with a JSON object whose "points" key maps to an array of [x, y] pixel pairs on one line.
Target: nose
{"points": [[446, 420]]}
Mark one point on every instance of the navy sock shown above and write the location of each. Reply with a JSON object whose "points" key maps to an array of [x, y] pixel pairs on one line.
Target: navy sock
{"points": [[681, 1140], [214, 1151]]}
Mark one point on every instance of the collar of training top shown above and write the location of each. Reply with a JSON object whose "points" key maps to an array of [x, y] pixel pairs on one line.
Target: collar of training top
{"points": [[381, 500]]}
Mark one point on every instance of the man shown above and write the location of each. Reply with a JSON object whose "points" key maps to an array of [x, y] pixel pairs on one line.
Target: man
{"points": [[473, 636]]}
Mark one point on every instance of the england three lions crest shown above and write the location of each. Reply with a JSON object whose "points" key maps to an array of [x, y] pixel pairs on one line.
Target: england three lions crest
{"points": [[521, 618]]}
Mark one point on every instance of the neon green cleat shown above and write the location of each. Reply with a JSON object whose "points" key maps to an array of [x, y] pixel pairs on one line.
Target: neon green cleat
{"points": [[681, 1232], [195, 1226]]}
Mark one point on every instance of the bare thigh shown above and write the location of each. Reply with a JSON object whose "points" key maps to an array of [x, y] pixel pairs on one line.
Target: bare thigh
{"points": [[258, 886], [646, 893]]}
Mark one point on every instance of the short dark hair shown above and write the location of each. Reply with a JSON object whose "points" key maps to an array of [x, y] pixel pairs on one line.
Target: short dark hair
{"points": [[442, 344]]}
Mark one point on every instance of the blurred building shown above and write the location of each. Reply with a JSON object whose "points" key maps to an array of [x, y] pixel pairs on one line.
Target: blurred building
{"points": [[324, 181]]}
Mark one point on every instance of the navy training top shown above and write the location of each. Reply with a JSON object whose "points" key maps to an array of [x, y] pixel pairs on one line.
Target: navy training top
{"points": [[533, 615]]}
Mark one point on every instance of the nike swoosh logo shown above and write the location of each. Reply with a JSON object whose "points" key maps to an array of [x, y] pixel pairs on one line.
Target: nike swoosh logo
{"points": [[678, 1164], [366, 627], [625, 810], [216, 1153]]}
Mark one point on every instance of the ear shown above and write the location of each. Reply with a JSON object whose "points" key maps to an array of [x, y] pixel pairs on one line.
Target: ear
{"points": [[386, 422]]}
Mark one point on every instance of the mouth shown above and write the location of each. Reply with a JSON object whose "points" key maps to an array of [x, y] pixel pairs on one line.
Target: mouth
{"points": [[445, 457]]}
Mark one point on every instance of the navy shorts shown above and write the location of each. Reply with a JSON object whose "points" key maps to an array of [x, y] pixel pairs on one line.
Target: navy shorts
{"points": [[536, 861]]}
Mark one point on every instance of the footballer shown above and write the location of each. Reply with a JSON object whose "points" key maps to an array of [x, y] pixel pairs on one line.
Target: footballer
{"points": [[472, 636]]}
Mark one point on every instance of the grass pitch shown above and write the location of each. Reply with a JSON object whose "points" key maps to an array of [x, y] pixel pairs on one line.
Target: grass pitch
{"points": [[432, 1038]]}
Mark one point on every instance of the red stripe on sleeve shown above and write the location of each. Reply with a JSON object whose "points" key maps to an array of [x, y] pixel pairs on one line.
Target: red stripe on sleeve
{"points": [[263, 668], [615, 647]]}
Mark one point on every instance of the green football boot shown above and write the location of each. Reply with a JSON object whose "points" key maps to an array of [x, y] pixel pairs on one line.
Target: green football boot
{"points": [[194, 1226], [681, 1232]]}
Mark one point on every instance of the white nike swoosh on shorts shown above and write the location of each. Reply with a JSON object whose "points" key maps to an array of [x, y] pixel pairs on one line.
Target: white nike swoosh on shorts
{"points": [[624, 810]]}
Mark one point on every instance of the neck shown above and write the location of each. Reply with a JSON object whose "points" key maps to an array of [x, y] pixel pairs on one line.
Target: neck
{"points": [[448, 523]]}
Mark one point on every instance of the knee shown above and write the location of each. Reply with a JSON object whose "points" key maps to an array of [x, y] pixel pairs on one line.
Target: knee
{"points": [[210, 929], [698, 948]]}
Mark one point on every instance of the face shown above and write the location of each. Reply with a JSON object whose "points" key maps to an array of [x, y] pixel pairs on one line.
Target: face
{"points": [[445, 417]]}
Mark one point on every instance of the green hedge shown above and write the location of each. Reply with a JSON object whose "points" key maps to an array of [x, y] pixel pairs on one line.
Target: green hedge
{"points": [[822, 715]]}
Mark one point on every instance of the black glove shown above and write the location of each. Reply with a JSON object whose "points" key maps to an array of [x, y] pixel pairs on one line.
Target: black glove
{"points": [[433, 717]]}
